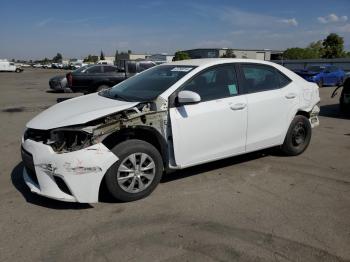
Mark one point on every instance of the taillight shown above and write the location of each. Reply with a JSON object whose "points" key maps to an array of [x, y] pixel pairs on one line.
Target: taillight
{"points": [[69, 79]]}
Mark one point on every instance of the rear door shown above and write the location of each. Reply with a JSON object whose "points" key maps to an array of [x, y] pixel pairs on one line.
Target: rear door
{"points": [[88, 77], [214, 128], [270, 96]]}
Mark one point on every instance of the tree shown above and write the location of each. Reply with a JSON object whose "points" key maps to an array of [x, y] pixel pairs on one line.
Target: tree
{"points": [[333, 46], [301, 53], [180, 55], [229, 54], [57, 58], [102, 56], [317, 48], [129, 52], [91, 59]]}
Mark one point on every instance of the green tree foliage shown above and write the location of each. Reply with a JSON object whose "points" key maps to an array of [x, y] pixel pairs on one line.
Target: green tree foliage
{"points": [[129, 52], [229, 54], [181, 56], [333, 46], [91, 59], [57, 58], [102, 56]]}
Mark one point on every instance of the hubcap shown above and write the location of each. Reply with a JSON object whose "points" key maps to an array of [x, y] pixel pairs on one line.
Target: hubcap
{"points": [[136, 172], [299, 134]]}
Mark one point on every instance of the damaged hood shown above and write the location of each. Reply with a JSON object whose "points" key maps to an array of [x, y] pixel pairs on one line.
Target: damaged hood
{"points": [[77, 111]]}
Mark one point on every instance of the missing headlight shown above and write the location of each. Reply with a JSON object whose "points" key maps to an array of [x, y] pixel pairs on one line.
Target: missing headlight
{"points": [[69, 140]]}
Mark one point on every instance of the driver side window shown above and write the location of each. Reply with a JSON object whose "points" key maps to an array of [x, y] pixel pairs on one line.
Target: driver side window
{"points": [[215, 83]]}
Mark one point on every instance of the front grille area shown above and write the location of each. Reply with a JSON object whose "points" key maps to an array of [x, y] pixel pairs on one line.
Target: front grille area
{"points": [[37, 135], [28, 163]]}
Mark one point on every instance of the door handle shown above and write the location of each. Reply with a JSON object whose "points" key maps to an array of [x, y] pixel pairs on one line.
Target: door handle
{"points": [[291, 96], [238, 106]]}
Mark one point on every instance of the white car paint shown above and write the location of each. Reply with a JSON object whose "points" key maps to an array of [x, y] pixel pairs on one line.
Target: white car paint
{"points": [[6, 66], [78, 110], [200, 132], [81, 170]]}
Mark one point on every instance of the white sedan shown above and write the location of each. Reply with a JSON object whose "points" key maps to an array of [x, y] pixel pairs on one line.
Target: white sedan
{"points": [[171, 116]]}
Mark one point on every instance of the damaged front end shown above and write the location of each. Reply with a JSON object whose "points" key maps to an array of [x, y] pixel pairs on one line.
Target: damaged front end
{"points": [[69, 163], [73, 138]]}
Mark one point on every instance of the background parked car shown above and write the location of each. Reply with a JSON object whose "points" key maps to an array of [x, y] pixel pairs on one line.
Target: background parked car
{"points": [[7, 66], [59, 83], [93, 78], [326, 75]]}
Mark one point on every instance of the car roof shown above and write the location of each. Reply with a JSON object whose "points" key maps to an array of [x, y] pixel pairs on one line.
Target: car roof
{"points": [[213, 61]]}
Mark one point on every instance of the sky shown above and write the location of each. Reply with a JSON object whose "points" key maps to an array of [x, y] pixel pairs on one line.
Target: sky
{"points": [[38, 29]]}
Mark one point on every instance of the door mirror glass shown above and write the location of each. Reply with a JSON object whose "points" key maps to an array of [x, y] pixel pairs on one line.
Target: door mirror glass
{"points": [[188, 97]]}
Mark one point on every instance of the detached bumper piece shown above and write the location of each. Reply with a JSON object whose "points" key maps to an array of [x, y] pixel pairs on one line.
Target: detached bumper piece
{"points": [[73, 177]]}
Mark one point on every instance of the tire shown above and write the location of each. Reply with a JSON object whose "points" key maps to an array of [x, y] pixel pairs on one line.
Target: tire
{"points": [[129, 189], [298, 136], [102, 87], [320, 83], [18, 70]]}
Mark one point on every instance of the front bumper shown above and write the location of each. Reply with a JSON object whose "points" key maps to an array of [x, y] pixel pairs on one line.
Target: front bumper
{"points": [[73, 177]]}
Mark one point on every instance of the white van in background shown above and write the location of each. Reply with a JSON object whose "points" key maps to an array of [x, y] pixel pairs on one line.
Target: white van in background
{"points": [[6, 66]]}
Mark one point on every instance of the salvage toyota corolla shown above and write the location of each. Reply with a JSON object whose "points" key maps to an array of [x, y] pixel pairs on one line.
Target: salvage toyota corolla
{"points": [[171, 116]]}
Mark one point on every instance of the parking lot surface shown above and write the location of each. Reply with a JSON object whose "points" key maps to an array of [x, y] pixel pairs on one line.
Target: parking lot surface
{"points": [[256, 207]]}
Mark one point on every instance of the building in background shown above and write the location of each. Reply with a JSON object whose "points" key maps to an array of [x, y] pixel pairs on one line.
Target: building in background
{"points": [[131, 56], [260, 54], [160, 58]]}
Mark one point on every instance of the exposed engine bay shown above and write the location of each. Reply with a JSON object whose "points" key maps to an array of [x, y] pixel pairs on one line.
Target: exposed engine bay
{"points": [[73, 138]]}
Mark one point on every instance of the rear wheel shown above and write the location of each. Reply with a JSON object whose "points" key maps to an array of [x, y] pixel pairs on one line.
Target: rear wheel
{"points": [[298, 136], [137, 172]]}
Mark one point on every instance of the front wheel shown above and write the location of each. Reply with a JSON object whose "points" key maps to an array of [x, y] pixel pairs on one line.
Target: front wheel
{"points": [[298, 136], [137, 172], [102, 87]]}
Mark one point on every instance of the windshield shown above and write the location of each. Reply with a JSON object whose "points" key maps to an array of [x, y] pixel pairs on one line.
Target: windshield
{"points": [[315, 68], [147, 85]]}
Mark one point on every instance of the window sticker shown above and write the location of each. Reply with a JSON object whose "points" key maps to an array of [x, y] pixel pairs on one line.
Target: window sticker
{"points": [[232, 89], [181, 69]]}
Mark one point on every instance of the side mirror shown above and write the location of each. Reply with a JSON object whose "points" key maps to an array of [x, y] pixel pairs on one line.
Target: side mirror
{"points": [[188, 97]]}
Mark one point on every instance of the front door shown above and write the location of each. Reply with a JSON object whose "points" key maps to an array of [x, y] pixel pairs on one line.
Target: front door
{"points": [[214, 128]]}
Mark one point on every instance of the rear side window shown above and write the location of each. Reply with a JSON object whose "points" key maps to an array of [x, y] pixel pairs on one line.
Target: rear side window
{"points": [[258, 78], [215, 83], [94, 70]]}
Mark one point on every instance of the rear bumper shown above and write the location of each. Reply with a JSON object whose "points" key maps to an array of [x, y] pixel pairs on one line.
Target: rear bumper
{"points": [[73, 177]]}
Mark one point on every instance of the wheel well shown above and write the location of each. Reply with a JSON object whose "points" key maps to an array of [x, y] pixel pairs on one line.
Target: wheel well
{"points": [[147, 134], [303, 113]]}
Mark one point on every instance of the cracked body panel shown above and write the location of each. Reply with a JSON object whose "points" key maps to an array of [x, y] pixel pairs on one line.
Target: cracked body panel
{"points": [[82, 171]]}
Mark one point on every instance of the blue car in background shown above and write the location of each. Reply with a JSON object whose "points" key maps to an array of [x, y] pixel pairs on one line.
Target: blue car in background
{"points": [[326, 75]]}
